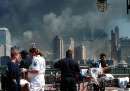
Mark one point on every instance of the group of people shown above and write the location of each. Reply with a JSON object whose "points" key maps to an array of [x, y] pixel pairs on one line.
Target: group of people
{"points": [[32, 63], [71, 72]]}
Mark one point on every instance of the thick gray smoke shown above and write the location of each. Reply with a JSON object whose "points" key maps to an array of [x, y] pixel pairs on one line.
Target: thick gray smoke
{"points": [[40, 20]]}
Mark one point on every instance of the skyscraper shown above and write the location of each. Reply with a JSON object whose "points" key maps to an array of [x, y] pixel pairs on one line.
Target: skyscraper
{"points": [[5, 42], [71, 46], [81, 53], [128, 6], [58, 48], [115, 45], [102, 5], [125, 48]]}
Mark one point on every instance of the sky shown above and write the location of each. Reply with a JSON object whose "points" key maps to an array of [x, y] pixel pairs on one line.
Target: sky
{"points": [[42, 20]]}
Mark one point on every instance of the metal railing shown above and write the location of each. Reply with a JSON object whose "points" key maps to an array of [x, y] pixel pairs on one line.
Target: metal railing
{"points": [[52, 80], [120, 72], [52, 76]]}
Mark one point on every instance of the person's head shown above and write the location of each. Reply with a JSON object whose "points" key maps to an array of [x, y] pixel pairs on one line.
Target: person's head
{"points": [[33, 51], [24, 54], [40, 53], [69, 53], [15, 54], [102, 56]]}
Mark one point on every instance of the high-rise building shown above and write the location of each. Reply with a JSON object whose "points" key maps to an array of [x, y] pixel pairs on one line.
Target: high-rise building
{"points": [[81, 53], [71, 46], [58, 48], [128, 6], [125, 48], [5, 42], [102, 5], [115, 45]]}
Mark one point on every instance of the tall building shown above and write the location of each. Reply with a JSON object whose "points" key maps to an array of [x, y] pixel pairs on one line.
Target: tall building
{"points": [[71, 45], [115, 45], [102, 5], [125, 48], [5, 42], [128, 6], [58, 48], [81, 54]]}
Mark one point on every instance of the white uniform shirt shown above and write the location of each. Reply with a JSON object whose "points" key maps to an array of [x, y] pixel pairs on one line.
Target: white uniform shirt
{"points": [[38, 63], [95, 72]]}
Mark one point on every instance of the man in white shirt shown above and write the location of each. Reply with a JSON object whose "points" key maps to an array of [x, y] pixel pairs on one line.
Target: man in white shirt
{"points": [[37, 69]]}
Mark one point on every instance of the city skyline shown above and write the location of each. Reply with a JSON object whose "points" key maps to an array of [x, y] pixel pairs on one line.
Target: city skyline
{"points": [[43, 19], [84, 43]]}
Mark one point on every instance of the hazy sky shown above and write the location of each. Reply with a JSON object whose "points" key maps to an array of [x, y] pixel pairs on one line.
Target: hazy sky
{"points": [[41, 20]]}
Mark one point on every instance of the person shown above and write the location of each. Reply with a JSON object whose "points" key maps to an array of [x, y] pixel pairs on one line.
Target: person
{"points": [[13, 72], [25, 62], [37, 69], [69, 72], [103, 67], [4, 60], [102, 61]]}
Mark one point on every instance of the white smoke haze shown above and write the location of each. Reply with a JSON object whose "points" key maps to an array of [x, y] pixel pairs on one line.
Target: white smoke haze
{"points": [[28, 35], [43, 19], [90, 21]]}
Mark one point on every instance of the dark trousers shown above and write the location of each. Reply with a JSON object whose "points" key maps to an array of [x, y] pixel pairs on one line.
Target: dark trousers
{"points": [[4, 82], [68, 84], [95, 87], [13, 86]]}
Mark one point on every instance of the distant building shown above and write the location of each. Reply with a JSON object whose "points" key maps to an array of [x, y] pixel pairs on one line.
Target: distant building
{"points": [[71, 46], [102, 5], [122, 64], [115, 45], [5, 42], [58, 48], [125, 48], [81, 54], [128, 60]]}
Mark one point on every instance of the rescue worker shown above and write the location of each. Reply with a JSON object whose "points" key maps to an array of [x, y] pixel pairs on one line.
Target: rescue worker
{"points": [[13, 72], [102, 61], [37, 68], [70, 71]]}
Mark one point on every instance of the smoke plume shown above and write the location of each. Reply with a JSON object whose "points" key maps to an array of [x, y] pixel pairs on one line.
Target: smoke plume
{"points": [[40, 20]]}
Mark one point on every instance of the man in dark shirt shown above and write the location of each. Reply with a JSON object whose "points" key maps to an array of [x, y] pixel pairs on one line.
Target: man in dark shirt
{"points": [[103, 60], [4, 60], [69, 72], [13, 72], [103, 64], [26, 61]]}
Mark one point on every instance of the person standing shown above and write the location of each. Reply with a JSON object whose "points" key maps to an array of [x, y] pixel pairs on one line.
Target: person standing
{"points": [[103, 66], [13, 72], [37, 69], [26, 61], [69, 72], [102, 61]]}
